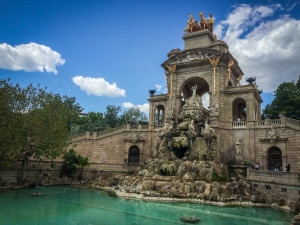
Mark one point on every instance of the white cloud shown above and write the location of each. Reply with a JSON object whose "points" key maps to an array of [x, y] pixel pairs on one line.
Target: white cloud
{"points": [[30, 57], [267, 49], [144, 108], [158, 87], [98, 87]]}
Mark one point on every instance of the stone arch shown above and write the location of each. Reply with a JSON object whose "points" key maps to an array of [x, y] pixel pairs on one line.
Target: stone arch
{"points": [[186, 91], [239, 110], [229, 84], [134, 155], [274, 157], [159, 115]]}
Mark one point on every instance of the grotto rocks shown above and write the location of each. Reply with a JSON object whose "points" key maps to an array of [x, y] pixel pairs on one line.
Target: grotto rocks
{"points": [[157, 186]]}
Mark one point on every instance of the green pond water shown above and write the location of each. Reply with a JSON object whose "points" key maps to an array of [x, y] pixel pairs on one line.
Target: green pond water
{"points": [[67, 205]]}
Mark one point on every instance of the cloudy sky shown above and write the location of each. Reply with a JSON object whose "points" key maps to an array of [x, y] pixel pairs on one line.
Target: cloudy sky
{"points": [[109, 52]]}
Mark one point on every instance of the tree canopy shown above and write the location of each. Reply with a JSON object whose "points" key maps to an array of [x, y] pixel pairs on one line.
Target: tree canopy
{"points": [[33, 123], [135, 115], [286, 101], [95, 122]]}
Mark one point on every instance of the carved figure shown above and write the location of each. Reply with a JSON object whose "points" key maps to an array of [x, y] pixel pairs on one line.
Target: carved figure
{"points": [[207, 131], [239, 79], [210, 23], [202, 22], [230, 63], [272, 133], [171, 72], [169, 112], [195, 100], [191, 125], [238, 149], [191, 25], [135, 137], [214, 109], [214, 62], [166, 129]]}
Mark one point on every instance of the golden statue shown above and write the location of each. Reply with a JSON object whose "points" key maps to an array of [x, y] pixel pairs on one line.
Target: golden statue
{"points": [[214, 62], [202, 22], [230, 63], [239, 79], [171, 72], [191, 25], [210, 23]]}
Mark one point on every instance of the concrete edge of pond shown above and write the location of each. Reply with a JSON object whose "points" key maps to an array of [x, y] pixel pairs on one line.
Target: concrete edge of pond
{"points": [[136, 196]]}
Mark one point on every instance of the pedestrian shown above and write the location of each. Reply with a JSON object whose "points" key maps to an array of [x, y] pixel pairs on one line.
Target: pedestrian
{"points": [[257, 166], [288, 168], [276, 167]]}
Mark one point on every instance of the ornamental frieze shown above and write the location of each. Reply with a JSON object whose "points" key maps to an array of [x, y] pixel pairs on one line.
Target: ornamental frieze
{"points": [[192, 55]]}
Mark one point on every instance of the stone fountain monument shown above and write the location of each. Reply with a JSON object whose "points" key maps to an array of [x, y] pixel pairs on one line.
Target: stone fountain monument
{"points": [[187, 150]]}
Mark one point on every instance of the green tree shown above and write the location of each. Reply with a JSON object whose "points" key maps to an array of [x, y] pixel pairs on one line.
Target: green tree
{"points": [[93, 121], [82, 162], [70, 163], [33, 123], [111, 116], [134, 114], [286, 101]]}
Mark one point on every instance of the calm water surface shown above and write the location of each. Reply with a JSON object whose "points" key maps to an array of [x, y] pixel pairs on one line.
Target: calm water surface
{"points": [[67, 205]]}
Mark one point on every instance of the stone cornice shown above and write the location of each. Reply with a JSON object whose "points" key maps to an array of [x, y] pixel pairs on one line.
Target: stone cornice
{"points": [[157, 98], [273, 140], [243, 89]]}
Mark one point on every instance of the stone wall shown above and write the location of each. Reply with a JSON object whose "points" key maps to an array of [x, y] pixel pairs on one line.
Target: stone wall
{"points": [[113, 146], [280, 184], [255, 141], [44, 174]]}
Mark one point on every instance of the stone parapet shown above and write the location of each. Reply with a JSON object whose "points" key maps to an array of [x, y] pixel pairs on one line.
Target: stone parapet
{"points": [[38, 165], [97, 135], [278, 177]]}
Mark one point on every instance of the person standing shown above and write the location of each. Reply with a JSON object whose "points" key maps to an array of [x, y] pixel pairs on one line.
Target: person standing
{"points": [[288, 168], [257, 166]]}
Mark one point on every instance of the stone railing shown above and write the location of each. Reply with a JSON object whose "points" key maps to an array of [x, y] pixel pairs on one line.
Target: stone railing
{"points": [[240, 124], [107, 166], [273, 176], [292, 122], [158, 126], [282, 122], [276, 122], [121, 167], [36, 164], [96, 135]]}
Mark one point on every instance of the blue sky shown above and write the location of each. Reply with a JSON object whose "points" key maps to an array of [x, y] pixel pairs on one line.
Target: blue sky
{"points": [[75, 47]]}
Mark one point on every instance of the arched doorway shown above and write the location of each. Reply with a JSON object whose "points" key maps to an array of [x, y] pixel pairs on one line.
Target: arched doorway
{"points": [[134, 155], [274, 157], [239, 110], [202, 90], [229, 84]]}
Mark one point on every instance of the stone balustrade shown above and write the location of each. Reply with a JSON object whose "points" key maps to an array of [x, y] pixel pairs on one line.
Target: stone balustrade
{"points": [[236, 124], [268, 123], [284, 121], [96, 135], [278, 177], [122, 167]]}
